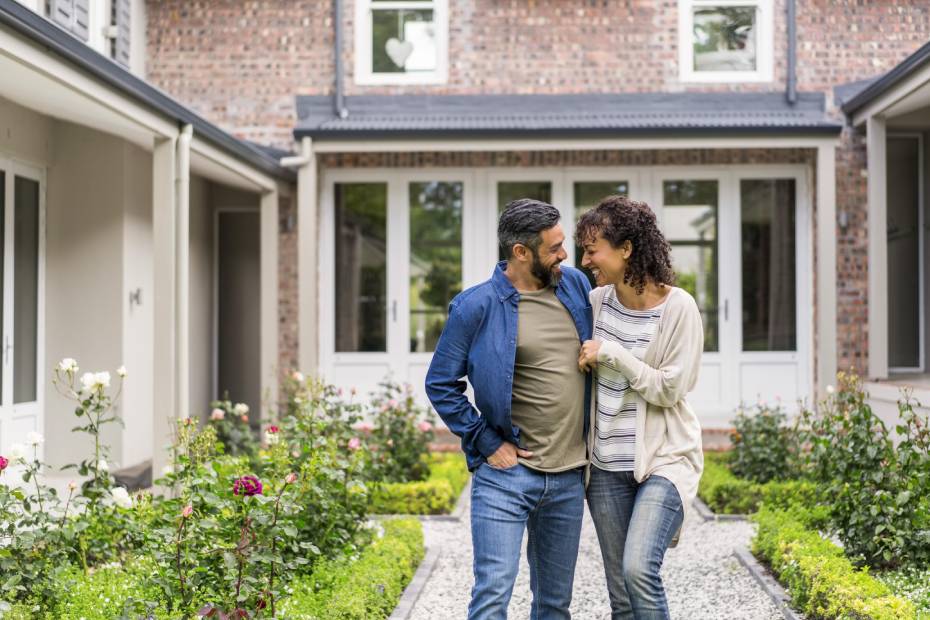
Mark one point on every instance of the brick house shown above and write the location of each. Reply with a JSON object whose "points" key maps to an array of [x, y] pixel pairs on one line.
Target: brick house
{"points": [[751, 127]]}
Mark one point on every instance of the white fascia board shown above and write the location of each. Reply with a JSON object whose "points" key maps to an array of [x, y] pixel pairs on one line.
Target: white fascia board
{"points": [[216, 165], [322, 145], [893, 96], [48, 65]]}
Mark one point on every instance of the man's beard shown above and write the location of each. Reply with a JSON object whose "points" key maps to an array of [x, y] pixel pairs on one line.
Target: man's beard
{"points": [[545, 275]]}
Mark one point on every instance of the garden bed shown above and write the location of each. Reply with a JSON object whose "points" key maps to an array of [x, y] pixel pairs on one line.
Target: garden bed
{"points": [[437, 495]]}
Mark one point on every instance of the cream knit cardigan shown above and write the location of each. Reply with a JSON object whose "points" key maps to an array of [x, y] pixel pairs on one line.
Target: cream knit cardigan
{"points": [[668, 435]]}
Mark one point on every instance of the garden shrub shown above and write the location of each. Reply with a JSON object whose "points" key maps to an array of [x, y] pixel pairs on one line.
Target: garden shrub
{"points": [[400, 435], [725, 493], [364, 589], [879, 494], [448, 475], [764, 447], [233, 429], [822, 582]]}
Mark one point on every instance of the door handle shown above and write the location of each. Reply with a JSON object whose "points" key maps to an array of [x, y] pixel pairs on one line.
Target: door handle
{"points": [[726, 309], [394, 311]]}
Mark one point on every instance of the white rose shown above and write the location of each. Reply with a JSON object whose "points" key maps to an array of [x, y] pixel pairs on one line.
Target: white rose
{"points": [[298, 376], [830, 389], [217, 414], [18, 452], [87, 381], [102, 379], [166, 470], [35, 439], [271, 439], [121, 497], [241, 409], [102, 465], [121, 372], [69, 364]]}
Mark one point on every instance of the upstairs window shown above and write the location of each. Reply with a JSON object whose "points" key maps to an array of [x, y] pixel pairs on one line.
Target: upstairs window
{"points": [[401, 42], [725, 40]]}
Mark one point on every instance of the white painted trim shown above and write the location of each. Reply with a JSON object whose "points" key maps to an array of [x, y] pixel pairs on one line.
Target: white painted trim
{"points": [[878, 247], [39, 60], [659, 143], [308, 252], [891, 97], [764, 54], [364, 76], [826, 268], [259, 181], [183, 269]]}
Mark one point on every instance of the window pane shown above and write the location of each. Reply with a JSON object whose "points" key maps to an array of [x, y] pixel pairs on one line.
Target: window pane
{"points": [[587, 195], [690, 221], [403, 41], [435, 259], [767, 213], [25, 289], [508, 191], [725, 38], [361, 266]]}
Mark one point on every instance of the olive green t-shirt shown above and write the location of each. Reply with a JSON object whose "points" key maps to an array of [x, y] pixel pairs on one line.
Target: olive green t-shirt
{"points": [[548, 389]]}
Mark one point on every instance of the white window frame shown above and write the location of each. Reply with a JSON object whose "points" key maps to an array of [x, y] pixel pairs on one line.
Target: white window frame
{"points": [[764, 53], [364, 75]]}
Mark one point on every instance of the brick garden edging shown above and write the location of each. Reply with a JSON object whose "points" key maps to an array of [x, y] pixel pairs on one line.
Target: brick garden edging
{"points": [[768, 583], [709, 515]]}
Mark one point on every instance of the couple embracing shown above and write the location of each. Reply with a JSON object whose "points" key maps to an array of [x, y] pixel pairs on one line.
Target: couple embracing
{"points": [[578, 393]]}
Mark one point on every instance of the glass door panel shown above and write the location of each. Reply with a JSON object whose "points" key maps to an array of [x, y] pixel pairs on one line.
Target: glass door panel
{"points": [[361, 248], [26, 289], [689, 220], [586, 195], [508, 191], [769, 271], [435, 258]]}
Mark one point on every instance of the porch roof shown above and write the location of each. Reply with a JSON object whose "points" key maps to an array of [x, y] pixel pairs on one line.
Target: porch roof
{"points": [[601, 115], [886, 83], [34, 27]]}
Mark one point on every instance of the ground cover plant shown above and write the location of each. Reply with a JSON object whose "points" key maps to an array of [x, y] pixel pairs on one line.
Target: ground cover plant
{"points": [[238, 524]]}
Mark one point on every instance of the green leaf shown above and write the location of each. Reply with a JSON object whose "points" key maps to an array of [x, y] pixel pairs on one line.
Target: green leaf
{"points": [[903, 498]]}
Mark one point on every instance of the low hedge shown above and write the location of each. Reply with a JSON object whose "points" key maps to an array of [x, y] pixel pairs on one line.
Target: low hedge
{"points": [[448, 475], [725, 493], [823, 584], [366, 588]]}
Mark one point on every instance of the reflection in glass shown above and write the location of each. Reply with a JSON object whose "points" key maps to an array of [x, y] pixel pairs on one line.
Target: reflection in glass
{"points": [[690, 225], [361, 266], [767, 214], [725, 38], [25, 289], [435, 259], [508, 191], [403, 40], [587, 195], [2, 258], [903, 234]]}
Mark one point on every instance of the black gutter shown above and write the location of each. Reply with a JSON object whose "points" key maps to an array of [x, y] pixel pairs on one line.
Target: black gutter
{"points": [[792, 85], [38, 29], [909, 65], [340, 104], [350, 135]]}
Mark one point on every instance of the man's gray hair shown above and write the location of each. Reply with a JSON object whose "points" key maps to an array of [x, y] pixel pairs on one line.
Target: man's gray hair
{"points": [[522, 221]]}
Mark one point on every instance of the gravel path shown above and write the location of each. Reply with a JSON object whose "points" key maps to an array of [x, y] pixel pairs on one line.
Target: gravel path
{"points": [[702, 578]]}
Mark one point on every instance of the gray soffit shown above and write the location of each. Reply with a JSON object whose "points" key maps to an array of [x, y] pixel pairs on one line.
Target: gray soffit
{"points": [[594, 115], [880, 86], [36, 28]]}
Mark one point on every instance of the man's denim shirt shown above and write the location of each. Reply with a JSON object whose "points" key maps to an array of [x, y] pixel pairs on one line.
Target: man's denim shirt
{"points": [[480, 341]]}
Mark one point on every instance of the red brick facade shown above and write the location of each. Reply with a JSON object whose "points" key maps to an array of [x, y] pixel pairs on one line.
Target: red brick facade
{"points": [[241, 62]]}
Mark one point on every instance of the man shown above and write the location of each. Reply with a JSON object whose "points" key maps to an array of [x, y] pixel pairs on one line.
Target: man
{"points": [[517, 338]]}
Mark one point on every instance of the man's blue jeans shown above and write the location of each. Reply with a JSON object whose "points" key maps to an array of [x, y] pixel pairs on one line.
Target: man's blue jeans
{"points": [[635, 524], [550, 507]]}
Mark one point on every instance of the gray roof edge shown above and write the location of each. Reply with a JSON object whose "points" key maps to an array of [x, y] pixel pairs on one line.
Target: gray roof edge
{"points": [[880, 86], [35, 27]]}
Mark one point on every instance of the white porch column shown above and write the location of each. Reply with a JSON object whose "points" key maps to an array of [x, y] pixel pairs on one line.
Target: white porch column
{"points": [[826, 268], [269, 301], [183, 270], [878, 248], [307, 248], [164, 232]]}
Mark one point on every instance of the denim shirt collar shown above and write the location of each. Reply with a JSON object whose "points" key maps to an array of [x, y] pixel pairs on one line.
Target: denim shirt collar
{"points": [[502, 284]]}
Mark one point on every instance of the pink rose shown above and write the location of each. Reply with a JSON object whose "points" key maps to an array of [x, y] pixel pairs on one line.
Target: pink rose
{"points": [[392, 404], [247, 485], [365, 427], [217, 414], [355, 443], [291, 478], [425, 426], [244, 417], [273, 429], [4, 462], [187, 512]]}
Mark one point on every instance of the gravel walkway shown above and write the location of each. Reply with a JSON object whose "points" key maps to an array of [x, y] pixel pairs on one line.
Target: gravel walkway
{"points": [[702, 578]]}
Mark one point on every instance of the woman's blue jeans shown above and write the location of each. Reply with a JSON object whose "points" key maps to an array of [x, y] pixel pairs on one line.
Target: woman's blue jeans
{"points": [[549, 507], [635, 524]]}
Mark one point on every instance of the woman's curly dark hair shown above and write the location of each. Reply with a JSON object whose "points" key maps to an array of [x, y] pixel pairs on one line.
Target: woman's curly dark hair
{"points": [[619, 219]]}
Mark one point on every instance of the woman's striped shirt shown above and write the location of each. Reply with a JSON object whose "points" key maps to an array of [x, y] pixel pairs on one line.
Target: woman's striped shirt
{"points": [[615, 424]]}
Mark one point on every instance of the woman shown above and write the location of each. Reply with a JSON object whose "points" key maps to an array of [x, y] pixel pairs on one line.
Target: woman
{"points": [[645, 441]]}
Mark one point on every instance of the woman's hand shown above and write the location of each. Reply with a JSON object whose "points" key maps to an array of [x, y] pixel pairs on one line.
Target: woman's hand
{"points": [[587, 358]]}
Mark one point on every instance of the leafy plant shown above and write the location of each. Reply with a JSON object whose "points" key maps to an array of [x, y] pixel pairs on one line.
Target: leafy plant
{"points": [[400, 436], [764, 447], [231, 423]]}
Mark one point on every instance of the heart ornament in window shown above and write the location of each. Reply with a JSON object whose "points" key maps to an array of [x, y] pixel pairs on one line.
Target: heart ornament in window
{"points": [[398, 51]]}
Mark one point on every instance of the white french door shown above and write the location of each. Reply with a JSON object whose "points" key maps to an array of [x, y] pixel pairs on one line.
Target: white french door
{"points": [[22, 211]]}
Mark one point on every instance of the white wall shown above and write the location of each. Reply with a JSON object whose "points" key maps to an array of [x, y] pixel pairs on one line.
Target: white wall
{"points": [[24, 135], [201, 297]]}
